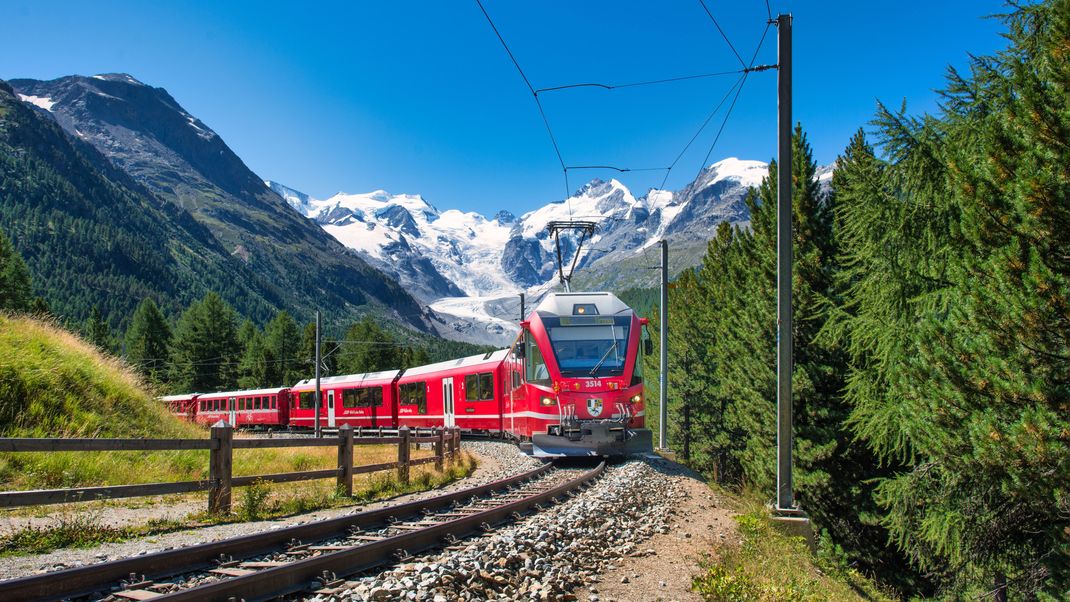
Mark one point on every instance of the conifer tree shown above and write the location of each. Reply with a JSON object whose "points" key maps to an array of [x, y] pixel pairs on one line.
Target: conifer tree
{"points": [[16, 292], [206, 351], [414, 356], [258, 367], [368, 348], [974, 397], [148, 340], [281, 340], [97, 330], [888, 280]]}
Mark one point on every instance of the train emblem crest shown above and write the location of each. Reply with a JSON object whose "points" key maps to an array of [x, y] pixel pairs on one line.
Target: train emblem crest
{"points": [[594, 406]]}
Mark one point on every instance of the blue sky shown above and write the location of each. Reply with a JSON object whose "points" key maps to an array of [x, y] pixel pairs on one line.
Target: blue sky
{"points": [[419, 97]]}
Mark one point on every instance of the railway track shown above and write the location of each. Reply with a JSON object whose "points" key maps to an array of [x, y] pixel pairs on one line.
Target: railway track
{"points": [[312, 557]]}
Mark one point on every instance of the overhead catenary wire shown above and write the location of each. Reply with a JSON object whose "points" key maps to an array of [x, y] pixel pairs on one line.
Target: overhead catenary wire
{"points": [[716, 109], [620, 169], [746, 72], [651, 82], [535, 95], [721, 31], [734, 92]]}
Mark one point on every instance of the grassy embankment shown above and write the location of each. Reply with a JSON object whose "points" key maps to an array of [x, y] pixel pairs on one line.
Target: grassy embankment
{"points": [[53, 384], [770, 566]]}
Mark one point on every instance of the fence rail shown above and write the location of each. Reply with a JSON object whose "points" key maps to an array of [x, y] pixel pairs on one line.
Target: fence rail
{"points": [[221, 446]]}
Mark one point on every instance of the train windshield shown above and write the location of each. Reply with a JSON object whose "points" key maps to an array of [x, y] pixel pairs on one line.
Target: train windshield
{"points": [[589, 345]]}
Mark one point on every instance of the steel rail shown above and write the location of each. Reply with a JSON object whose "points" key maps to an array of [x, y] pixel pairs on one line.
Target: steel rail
{"points": [[298, 575], [80, 581]]}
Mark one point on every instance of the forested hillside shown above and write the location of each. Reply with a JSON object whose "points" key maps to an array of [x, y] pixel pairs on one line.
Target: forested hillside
{"points": [[91, 237], [932, 359]]}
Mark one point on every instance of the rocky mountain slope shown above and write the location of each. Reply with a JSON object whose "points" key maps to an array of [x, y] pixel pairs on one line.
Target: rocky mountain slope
{"points": [[186, 166]]}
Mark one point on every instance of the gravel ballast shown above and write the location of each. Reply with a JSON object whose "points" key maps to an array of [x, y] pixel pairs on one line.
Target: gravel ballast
{"points": [[545, 556]]}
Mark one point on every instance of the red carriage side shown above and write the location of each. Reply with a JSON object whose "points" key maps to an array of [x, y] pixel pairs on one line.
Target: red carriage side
{"points": [[359, 400], [466, 393], [181, 406], [266, 408]]}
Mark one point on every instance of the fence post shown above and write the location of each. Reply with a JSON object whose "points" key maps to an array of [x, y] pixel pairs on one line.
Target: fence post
{"points": [[456, 443], [220, 463], [440, 439], [345, 460], [403, 455]]}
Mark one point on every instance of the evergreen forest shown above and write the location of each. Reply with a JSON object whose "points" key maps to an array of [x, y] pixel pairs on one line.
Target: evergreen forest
{"points": [[932, 334]]}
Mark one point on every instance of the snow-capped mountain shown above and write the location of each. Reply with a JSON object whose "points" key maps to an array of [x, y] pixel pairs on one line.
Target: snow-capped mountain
{"points": [[469, 268]]}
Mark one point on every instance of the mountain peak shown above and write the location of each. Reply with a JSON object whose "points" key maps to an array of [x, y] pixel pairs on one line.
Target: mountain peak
{"points": [[745, 171], [119, 77]]}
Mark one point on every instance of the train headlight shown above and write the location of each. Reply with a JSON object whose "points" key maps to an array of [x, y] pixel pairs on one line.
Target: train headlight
{"points": [[546, 401], [637, 398]]}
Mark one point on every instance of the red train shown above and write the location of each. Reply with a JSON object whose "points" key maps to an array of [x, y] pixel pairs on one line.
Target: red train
{"points": [[571, 384]]}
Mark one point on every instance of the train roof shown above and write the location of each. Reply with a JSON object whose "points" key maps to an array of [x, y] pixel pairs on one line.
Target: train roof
{"points": [[181, 397], [472, 360], [245, 392], [386, 375], [565, 304]]}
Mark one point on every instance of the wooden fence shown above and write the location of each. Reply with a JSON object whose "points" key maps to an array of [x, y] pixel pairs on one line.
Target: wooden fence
{"points": [[221, 445]]}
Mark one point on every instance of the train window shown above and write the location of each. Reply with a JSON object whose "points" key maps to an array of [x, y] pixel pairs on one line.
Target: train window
{"points": [[351, 398], [537, 371], [414, 394], [589, 346], [479, 387], [273, 402], [471, 387], [307, 401], [375, 397], [486, 385]]}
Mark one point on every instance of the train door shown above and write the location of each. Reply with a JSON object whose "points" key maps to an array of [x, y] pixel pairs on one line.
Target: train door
{"points": [[447, 402], [232, 408], [330, 409]]}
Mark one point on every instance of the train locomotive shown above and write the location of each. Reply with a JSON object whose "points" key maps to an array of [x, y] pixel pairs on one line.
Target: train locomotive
{"points": [[570, 385]]}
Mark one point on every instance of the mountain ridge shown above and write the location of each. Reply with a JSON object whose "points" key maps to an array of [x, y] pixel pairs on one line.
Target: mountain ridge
{"points": [[469, 267], [183, 163]]}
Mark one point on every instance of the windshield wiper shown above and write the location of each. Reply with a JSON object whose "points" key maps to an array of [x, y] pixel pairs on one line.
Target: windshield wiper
{"points": [[605, 356]]}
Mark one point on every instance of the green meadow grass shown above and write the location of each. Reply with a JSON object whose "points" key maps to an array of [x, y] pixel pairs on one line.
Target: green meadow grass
{"points": [[771, 566], [54, 384]]}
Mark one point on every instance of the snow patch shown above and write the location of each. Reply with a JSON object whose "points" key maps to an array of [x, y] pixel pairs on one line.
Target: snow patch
{"points": [[748, 173], [40, 101]]}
